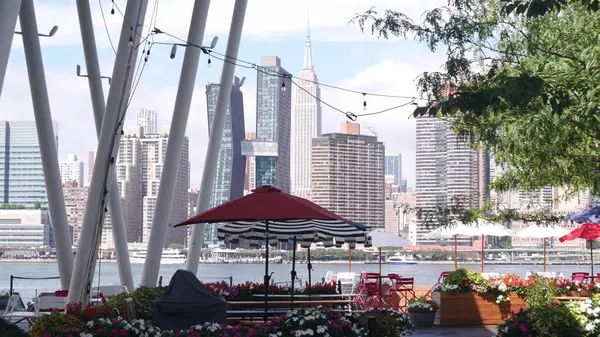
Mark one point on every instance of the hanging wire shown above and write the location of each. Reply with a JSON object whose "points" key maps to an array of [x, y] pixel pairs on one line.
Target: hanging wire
{"points": [[284, 75]]}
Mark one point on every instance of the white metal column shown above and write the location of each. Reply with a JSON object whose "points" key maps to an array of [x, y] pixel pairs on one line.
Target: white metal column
{"points": [[108, 145], [9, 12], [214, 142], [187, 81], [48, 148], [98, 107]]}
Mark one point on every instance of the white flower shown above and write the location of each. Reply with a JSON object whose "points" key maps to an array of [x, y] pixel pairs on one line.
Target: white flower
{"points": [[590, 327]]}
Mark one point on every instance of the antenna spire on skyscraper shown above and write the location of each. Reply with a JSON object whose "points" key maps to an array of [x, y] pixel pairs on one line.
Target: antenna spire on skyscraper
{"points": [[308, 50]]}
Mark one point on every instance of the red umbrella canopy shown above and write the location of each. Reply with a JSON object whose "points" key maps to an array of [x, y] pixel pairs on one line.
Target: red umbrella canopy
{"points": [[264, 204], [587, 231]]}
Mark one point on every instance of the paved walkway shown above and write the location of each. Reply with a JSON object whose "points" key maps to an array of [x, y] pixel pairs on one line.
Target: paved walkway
{"points": [[476, 331]]}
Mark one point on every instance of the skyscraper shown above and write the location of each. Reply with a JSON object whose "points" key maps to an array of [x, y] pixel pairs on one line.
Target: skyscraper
{"points": [[229, 179], [250, 167], [449, 172], [393, 166], [307, 123], [21, 174], [430, 160], [347, 175], [71, 170], [271, 148], [154, 149], [128, 171], [148, 120]]}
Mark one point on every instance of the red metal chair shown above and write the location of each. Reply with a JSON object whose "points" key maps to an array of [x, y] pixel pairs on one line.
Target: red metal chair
{"points": [[369, 290], [579, 277], [440, 281], [401, 291]]}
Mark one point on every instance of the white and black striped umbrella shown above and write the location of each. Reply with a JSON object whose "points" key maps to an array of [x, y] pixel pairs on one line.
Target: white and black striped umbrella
{"points": [[305, 231]]}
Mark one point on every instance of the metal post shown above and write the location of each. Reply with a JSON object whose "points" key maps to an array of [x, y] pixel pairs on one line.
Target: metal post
{"points": [[214, 142], [98, 106], [108, 145], [187, 80], [48, 148], [9, 11]]}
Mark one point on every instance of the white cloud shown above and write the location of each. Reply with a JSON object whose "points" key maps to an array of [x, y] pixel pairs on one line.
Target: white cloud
{"points": [[265, 19]]}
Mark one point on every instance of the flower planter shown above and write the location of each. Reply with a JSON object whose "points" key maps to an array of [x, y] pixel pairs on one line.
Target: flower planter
{"points": [[476, 309], [583, 293], [422, 319]]}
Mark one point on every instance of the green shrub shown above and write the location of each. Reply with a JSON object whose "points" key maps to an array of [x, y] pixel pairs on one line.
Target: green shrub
{"points": [[550, 321], [463, 278], [53, 323], [143, 301], [540, 293], [390, 323]]}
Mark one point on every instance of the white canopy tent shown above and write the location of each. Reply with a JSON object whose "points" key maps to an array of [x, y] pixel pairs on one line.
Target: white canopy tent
{"points": [[543, 232]]}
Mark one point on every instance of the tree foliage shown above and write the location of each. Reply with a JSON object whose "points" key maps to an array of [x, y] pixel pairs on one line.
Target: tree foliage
{"points": [[527, 88], [534, 8]]}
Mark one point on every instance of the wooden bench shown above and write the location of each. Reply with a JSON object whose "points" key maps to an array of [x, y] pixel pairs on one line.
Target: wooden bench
{"points": [[288, 304], [562, 299], [255, 316]]}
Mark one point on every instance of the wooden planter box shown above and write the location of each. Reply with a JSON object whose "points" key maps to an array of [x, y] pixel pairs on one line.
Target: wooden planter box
{"points": [[583, 293], [475, 309]]}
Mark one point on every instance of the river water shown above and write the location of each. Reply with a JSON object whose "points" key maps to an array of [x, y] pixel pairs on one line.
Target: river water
{"points": [[107, 273]]}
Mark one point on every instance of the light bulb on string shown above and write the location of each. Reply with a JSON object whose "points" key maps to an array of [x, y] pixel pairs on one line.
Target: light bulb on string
{"points": [[365, 101], [112, 10], [209, 62], [283, 88]]}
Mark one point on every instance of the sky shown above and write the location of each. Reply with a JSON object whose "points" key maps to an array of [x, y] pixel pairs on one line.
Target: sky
{"points": [[343, 56]]}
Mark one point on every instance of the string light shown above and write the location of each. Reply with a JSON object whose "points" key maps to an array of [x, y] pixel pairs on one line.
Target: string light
{"points": [[364, 101], [209, 61], [283, 85], [112, 10]]}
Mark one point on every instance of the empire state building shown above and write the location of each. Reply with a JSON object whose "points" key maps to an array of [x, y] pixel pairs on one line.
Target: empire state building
{"points": [[307, 123]]}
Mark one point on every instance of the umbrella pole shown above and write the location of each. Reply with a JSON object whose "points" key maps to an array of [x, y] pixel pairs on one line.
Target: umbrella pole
{"points": [[455, 252], [309, 266], [293, 273], [349, 260], [482, 251], [592, 255], [266, 279], [379, 260], [380, 278], [545, 255]]}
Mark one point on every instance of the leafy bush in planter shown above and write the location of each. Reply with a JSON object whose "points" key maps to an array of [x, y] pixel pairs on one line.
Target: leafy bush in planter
{"points": [[463, 279], [541, 292], [390, 323], [422, 305], [548, 321], [143, 301], [53, 323]]}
